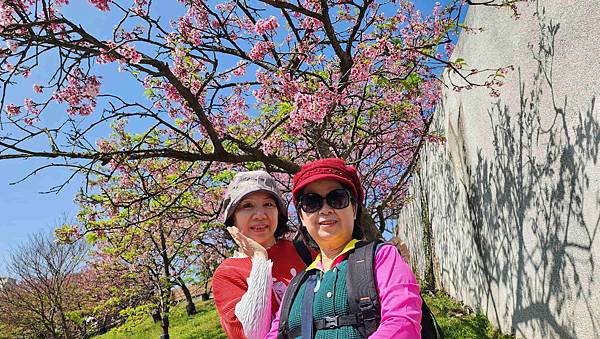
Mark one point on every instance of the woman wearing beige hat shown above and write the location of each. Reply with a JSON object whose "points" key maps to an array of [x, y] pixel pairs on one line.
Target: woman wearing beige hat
{"points": [[248, 287]]}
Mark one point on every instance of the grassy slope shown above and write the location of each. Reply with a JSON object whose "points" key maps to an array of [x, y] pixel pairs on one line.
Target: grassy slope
{"points": [[455, 321], [204, 325]]}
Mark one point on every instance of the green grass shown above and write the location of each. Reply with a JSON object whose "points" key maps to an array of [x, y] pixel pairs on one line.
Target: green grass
{"points": [[203, 325], [457, 322]]}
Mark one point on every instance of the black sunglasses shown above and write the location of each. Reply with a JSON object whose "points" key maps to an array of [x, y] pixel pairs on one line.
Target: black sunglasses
{"points": [[311, 202]]}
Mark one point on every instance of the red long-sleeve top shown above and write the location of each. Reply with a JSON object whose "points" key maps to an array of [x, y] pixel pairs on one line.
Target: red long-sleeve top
{"points": [[230, 283]]}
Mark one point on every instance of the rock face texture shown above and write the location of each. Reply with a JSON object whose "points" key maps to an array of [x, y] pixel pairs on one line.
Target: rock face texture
{"points": [[512, 199]]}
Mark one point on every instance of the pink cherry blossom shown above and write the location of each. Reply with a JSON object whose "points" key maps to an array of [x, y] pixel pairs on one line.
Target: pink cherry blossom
{"points": [[449, 47], [104, 145], [80, 93], [311, 23], [240, 69], [263, 26], [130, 54], [8, 67], [31, 106], [259, 50], [6, 14], [12, 45], [311, 107], [138, 8], [13, 110], [30, 121], [101, 4], [272, 144], [108, 55]]}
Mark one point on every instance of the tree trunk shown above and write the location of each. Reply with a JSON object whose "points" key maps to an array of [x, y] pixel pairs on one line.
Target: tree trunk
{"points": [[165, 291], [206, 294], [190, 308], [164, 324], [165, 300], [368, 224], [61, 313], [427, 239], [155, 313], [63, 322]]}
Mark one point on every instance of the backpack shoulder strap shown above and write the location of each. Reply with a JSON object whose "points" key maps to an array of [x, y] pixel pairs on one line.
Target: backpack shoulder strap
{"points": [[286, 303], [360, 285], [307, 325], [303, 251], [429, 325], [363, 298]]}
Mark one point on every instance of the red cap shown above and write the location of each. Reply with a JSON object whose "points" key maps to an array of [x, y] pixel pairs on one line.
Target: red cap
{"points": [[330, 168]]}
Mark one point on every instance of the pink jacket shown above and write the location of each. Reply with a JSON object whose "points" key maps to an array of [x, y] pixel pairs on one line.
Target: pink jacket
{"points": [[398, 293]]}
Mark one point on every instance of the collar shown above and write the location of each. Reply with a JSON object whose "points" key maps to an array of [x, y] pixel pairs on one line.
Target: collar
{"points": [[318, 265]]}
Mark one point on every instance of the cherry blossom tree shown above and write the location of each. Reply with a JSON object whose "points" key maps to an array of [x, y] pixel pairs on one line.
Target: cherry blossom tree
{"points": [[155, 220], [232, 83]]}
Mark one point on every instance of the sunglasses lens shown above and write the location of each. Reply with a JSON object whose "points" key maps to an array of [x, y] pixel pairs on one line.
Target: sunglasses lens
{"points": [[338, 199], [311, 202]]}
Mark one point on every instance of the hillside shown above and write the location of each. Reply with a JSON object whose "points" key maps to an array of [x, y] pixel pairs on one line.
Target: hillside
{"points": [[456, 321]]}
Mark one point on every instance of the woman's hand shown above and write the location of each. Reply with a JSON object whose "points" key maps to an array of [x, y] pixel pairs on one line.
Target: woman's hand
{"points": [[250, 247]]}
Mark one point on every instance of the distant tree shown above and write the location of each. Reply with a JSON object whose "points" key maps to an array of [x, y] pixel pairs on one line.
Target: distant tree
{"points": [[38, 304], [106, 292]]}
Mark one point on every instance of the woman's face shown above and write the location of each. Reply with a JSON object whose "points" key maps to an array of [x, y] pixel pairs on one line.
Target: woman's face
{"points": [[256, 217], [329, 227]]}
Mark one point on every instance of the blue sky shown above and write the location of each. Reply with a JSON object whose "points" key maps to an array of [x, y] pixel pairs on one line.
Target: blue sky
{"points": [[22, 208]]}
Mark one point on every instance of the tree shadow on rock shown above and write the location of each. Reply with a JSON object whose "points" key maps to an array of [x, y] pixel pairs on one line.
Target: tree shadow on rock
{"points": [[527, 205]]}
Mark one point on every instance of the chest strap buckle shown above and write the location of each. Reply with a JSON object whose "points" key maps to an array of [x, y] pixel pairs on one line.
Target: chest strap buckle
{"points": [[330, 322]]}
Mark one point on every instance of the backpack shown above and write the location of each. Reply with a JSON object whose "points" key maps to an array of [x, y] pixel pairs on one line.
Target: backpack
{"points": [[363, 299]]}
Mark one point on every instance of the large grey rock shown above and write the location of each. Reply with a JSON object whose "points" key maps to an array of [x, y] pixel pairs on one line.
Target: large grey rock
{"points": [[513, 197]]}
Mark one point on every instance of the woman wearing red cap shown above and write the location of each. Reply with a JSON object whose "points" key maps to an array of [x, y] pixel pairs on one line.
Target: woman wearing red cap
{"points": [[328, 194], [248, 287]]}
